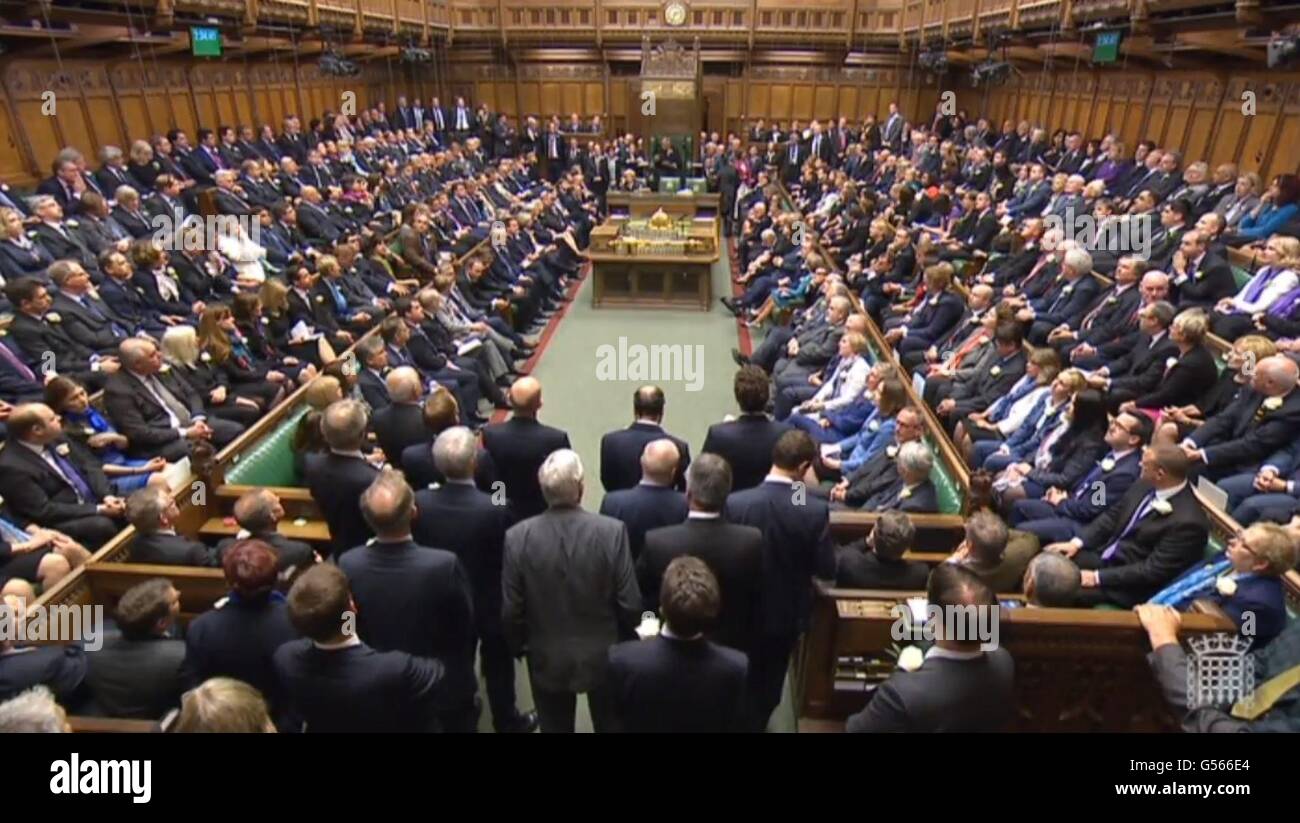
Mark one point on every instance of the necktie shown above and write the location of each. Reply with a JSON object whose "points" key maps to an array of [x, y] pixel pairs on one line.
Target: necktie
{"points": [[7, 355], [1091, 316], [71, 475], [1091, 477], [1132, 521], [340, 303], [174, 406], [1262, 699], [85, 301]]}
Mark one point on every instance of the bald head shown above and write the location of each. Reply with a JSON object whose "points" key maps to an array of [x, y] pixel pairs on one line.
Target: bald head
{"points": [[389, 505], [526, 396], [659, 462], [404, 385], [1277, 375]]}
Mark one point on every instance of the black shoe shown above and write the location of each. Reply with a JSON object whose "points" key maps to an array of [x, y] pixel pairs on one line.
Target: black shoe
{"points": [[478, 420], [730, 304], [741, 360], [525, 723]]}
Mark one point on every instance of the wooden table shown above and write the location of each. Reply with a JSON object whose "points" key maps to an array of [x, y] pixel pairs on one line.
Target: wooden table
{"points": [[661, 281]]}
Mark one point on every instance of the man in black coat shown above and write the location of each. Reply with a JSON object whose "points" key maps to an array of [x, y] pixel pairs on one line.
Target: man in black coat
{"points": [[39, 334], [238, 637], [153, 512], [338, 478], [137, 674], [464, 520], [160, 413], [414, 598], [61, 669], [1263, 419], [1146, 539], [733, 553], [520, 445], [679, 681], [797, 547], [258, 514], [653, 502], [620, 451], [84, 317], [335, 682], [959, 687], [877, 562], [746, 442], [48, 480], [400, 424]]}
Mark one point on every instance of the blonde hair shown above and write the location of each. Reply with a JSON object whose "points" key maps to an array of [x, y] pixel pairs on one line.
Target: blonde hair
{"points": [[1073, 379], [1192, 325], [1274, 546], [180, 346], [223, 704]]}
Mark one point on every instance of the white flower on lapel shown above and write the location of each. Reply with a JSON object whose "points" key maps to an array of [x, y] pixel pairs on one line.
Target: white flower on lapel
{"points": [[164, 368], [205, 357], [891, 451], [72, 223], [995, 371], [320, 299], [910, 659], [1112, 300], [873, 426], [1226, 586], [1108, 464], [1067, 289], [905, 493], [1171, 362], [53, 317], [63, 449], [1273, 403], [1162, 507]]}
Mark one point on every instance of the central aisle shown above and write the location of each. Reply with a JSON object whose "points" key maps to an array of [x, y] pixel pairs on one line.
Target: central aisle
{"points": [[588, 375]]}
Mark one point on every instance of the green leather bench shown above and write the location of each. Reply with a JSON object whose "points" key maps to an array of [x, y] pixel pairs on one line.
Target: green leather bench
{"points": [[270, 463], [950, 496], [1241, 276]]}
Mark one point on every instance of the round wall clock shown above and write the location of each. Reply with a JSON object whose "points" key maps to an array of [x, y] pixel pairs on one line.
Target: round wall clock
{"points": [[675, 13]]}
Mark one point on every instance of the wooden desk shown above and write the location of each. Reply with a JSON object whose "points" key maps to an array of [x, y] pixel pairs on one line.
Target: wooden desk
{"points": [[646, 203], [669, 281]]}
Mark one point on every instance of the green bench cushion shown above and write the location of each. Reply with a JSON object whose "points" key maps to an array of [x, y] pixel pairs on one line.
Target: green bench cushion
{"points": [[1241, 276], [270, 463], [950, 496]]}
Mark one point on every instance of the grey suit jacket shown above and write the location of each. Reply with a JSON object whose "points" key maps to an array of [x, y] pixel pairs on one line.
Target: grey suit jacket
{"points": [[569, 590], [819, 344], [139, 679], [1169, 664]]}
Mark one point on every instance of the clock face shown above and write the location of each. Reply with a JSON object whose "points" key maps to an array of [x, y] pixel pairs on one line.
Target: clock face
{"points": [[675, 14]]}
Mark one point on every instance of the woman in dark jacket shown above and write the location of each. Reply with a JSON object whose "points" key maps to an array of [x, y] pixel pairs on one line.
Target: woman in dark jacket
{"points": [[1188, 375], [225, 347], [180, 346], [83, 423], [1063, 461]]}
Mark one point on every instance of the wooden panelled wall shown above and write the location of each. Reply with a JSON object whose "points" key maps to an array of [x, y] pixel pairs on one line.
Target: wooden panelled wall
{"points": [[1198, 113], [97, 104]]}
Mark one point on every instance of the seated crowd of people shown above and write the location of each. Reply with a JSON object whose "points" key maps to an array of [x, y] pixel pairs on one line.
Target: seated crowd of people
{"points": [[1085, 408]]}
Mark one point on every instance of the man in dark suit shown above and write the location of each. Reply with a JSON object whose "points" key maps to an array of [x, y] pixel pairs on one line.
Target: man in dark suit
{"points": [[796, 530], [61, 669], [400, 424], [679, 681], [877, 561], [1062, 514], [84, 316], [338, 478], [160, 413], [154, 513], [335, 682], [138, 673], [746, 442], [1262, 419], [733, 553], [48, 480], [520, 445], [39, 335], [414, 598], [1004, 369], [959, 687], [569, 594], [65, 185], [258, 514], [1202, 277], [912, 490], [620, 451], [238, 637], [651, 503], [1146, 539], [464, 520]]}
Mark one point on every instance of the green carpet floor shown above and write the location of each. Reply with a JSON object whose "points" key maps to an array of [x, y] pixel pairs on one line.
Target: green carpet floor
{"points": [[584, 396]]}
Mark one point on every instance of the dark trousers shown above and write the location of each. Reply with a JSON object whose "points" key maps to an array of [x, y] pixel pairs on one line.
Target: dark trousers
{"points": [[767, 667], [92, 531], [556, 710], [499, 672]]}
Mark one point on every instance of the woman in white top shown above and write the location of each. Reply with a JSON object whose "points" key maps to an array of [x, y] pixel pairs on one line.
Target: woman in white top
{"points": [[846, 382], [1234, 316], [237, 247]]}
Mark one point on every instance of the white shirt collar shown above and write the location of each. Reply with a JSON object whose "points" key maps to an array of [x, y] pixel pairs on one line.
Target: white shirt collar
{"points": [[778, 478], [346, 643], [696, 515], [1165, 494], [949, 654]]}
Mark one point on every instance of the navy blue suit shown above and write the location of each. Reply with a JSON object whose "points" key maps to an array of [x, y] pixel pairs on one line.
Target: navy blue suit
{"points": [[337, 483], [932, 321], [359, 689], [1088, 499], [642, 508], [518, 447], [746, 443], [670, 685], [797, 547], [620, 456]]}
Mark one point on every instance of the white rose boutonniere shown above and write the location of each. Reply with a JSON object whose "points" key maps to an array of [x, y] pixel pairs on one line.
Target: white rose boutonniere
{"points": [[1112, 300], [320, 299], [873, 426], [891, 451], [1171, 362], [53, 317], [164, 368], [205, 357], [1067, 289], [910, 659], [905, 493], [1226, 586], [1162, 507], [1108, 464], [1273, 403], [172, 271], [995, 371], [63, 449], [72, 223]]}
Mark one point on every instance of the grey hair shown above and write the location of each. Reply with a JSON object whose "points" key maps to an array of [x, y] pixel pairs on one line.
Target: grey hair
{"points": [[454, 453], [987, 535], [404, 385], [1079, 260], [144, 508], [893, 534], [110, 154], [125, 192], [1056, 580], [35, 710], [915, 457], [132, 351], [708, 482], [561, 478], [344, 424]]}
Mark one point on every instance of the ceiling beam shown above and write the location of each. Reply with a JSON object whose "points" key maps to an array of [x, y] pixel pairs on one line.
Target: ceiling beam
{"points": [[1221, 42]]}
